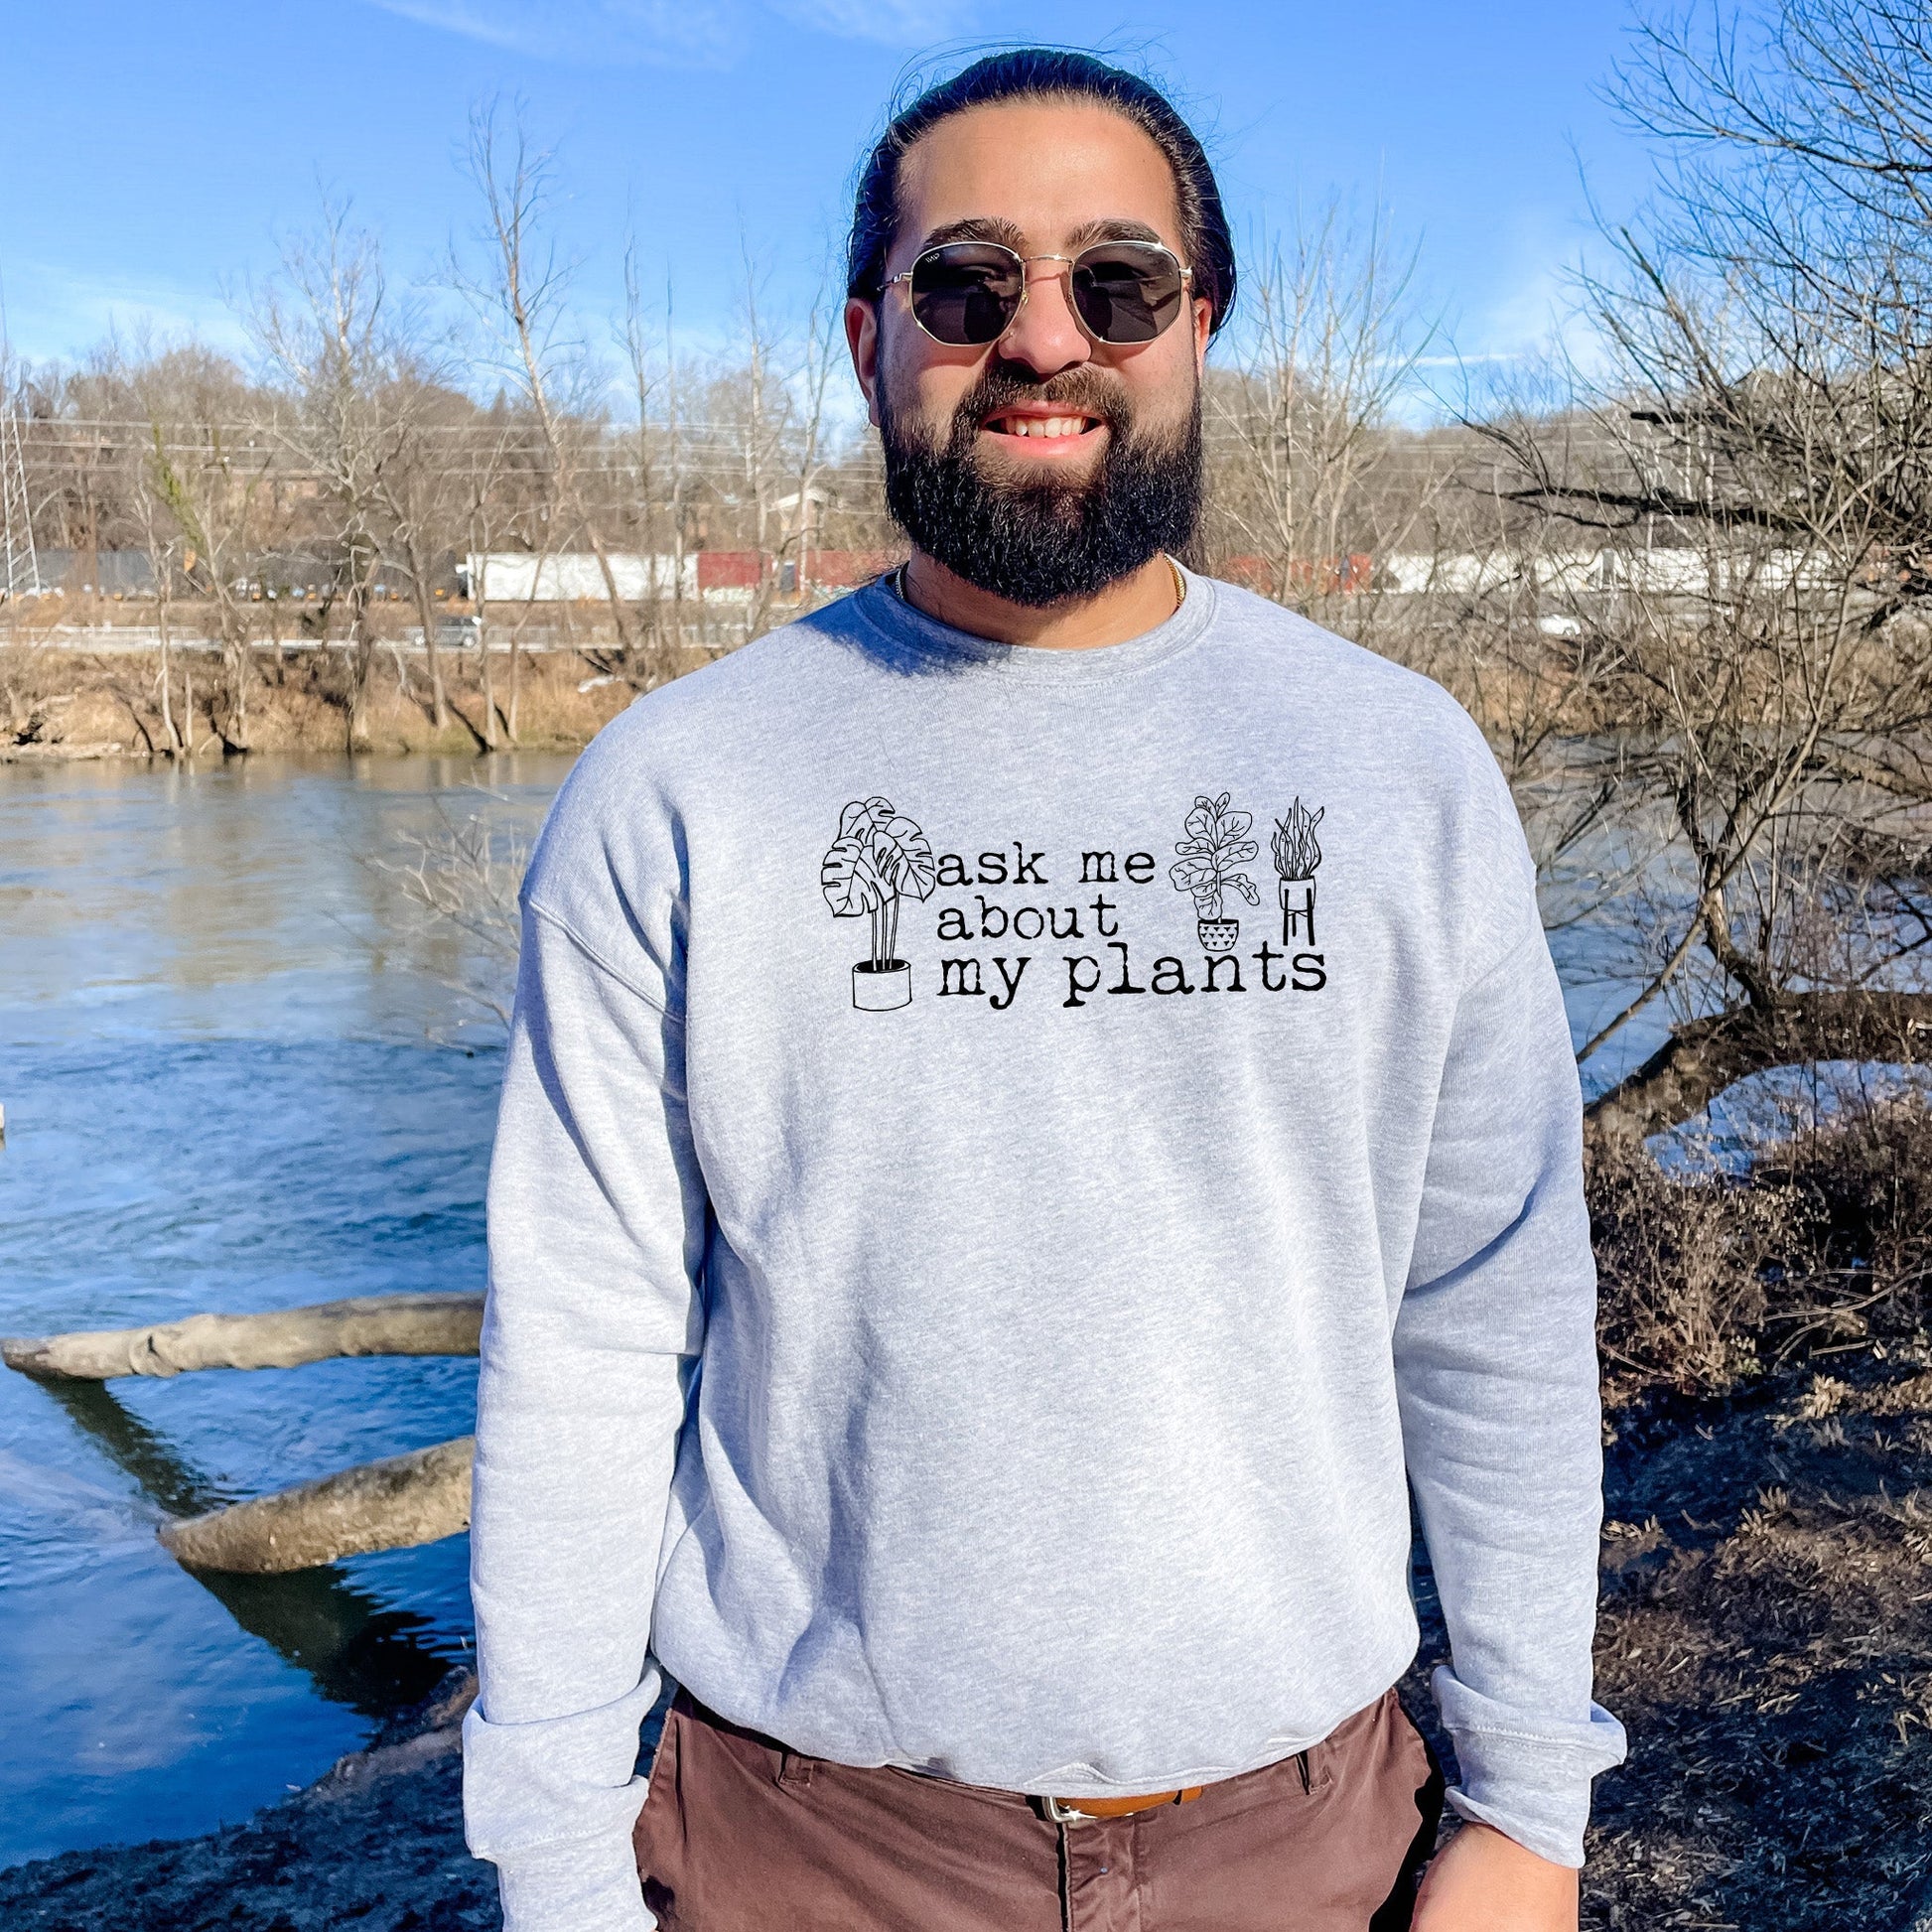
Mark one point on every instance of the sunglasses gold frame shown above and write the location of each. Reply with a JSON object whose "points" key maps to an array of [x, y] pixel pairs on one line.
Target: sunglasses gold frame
{"points": [[1068, 264]]}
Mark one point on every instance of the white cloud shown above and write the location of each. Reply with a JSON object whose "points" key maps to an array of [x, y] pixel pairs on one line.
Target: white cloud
{"points": [[896, 23], [694, 33], [681, 33], [1530, 324], [54, 313]]}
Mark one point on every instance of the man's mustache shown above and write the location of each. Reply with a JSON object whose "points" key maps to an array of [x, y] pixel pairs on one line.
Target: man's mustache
{"points": [[1084, 392]]}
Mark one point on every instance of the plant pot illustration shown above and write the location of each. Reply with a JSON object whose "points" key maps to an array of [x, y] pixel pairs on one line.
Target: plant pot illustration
{"points": [[1297, 854], [1297, 911], [879, 857], [1217, 842], [879, 988]]}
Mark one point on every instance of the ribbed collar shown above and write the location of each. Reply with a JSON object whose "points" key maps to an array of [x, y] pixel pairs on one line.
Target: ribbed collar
{"points": [[885, 610]]}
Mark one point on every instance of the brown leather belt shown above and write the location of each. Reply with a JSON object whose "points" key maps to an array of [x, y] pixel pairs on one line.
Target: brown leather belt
{"points": [[1087, 1811]]}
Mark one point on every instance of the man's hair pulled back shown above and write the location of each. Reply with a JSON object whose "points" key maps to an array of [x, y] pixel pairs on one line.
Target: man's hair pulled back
{"points": [[1046, 73]]}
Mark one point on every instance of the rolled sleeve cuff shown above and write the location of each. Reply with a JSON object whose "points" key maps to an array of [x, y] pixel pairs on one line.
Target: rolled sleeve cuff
{"points": [[523, 1782], [575, 1886], [1530, 1779]]}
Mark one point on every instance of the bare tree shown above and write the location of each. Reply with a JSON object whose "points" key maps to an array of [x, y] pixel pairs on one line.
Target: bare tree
{"points": [[463, 877], [321, 329], [1310, 477], [162, 542], [520, 296], [207, 472]]}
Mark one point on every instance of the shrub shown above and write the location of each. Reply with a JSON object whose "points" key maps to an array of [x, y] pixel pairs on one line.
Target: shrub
{"points": [[1708, 1280]]}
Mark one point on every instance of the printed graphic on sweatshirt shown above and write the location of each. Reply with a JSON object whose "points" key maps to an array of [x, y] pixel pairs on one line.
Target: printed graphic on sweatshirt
{"points": [[1078, 929], [879, 857], [1297, 854], [1217, 842]]}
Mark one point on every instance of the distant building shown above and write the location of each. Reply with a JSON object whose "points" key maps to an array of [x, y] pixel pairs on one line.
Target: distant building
{"points": [[728, 576], [103, 572]]}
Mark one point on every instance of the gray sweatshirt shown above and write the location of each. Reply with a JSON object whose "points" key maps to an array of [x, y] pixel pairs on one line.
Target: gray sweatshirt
{"points": [[1007, 1159]]}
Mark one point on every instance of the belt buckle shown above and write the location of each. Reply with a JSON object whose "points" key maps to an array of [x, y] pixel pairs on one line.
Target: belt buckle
{"points": [[1060, 1814]]}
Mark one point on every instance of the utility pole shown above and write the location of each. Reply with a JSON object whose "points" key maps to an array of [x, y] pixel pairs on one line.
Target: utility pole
{"points": [[20, 570], [19, 563]]}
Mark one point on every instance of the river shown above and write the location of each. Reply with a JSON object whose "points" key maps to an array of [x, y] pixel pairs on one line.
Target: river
{"points": [[235, 1076]]}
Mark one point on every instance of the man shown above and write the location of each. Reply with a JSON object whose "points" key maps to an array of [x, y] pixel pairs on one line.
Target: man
{"points": [[1038, 1097]]}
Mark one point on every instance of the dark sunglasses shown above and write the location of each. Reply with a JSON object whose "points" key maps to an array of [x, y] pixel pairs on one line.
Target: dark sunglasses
{"points": [[967, 293]]}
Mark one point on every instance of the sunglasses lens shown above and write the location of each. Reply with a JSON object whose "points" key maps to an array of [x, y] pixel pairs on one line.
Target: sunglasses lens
{"points": [[966, 292], [1127, 291]]}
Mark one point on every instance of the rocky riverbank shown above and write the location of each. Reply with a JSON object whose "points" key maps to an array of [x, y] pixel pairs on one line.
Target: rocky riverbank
{"points": [[376, 1844]]}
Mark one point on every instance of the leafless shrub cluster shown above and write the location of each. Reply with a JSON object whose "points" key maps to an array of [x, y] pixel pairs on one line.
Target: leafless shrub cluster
{"points": [[462, 878], [1822, 1243]]}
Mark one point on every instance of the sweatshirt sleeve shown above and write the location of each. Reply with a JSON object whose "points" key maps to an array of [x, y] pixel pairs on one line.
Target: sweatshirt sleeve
{"points": [[596, 1224], [1497, 1376]]}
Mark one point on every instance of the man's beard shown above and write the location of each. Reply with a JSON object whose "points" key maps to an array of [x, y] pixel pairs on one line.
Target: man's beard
{"points": [[1052, 541]]}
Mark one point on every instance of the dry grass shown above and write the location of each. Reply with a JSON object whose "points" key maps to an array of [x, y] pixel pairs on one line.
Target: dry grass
{"points": [[1766, 1633], [1766, 1637]]}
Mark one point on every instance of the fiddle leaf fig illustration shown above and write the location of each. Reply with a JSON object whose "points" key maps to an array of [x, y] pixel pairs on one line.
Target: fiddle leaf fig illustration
{"points": [[1217, 842]]}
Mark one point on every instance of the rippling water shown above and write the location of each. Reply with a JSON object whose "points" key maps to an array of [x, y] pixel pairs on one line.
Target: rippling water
{"points": [[227, 1085]]}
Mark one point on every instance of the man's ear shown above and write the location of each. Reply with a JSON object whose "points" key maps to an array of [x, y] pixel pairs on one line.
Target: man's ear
{"points": [[1204, 330], [861, 337]]}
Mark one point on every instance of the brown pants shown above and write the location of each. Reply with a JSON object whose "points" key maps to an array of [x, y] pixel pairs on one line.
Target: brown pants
{"points": [[740, 1835]]}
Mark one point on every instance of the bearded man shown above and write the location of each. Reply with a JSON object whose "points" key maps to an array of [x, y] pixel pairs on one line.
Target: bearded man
{"points": [[1038, 1115]]}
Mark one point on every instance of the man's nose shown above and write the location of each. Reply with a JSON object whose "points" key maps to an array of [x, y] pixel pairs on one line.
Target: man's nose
{"points": [[1044, 334]]}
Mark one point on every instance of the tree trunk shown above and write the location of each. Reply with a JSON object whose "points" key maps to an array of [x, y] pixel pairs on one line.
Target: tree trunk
{"points": [[1704, 1056], [167, 702], [362, 655], [367, 1324], [392, 1504], [489, 685], [426, 610]]}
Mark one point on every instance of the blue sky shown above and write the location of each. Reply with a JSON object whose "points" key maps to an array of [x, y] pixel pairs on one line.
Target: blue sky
{"points": [[151, 153]]}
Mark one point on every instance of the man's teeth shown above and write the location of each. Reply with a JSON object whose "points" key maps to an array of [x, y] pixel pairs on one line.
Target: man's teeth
{"points": [[1042, 425]]}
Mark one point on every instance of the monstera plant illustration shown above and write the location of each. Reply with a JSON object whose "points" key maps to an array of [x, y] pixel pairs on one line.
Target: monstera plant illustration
{"points": [[1217, 842], [1297, 854], [879, 857]]}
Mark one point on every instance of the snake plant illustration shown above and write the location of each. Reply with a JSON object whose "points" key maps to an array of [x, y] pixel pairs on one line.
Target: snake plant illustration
{"points": [[1297, 854], [1217, 841], [879, 857]]}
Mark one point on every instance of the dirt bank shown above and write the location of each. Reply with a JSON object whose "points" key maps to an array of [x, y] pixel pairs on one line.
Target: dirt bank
{"points": [[62, 704], [1766, 1638]]}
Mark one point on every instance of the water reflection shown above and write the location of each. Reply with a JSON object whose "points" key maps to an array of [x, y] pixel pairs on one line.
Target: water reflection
{"points": [[356, 1653], [236, 899]]}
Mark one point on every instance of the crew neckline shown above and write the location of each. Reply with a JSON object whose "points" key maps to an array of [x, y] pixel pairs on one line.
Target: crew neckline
{"points": [[902, 623]]}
